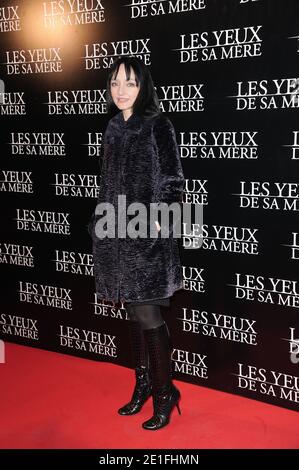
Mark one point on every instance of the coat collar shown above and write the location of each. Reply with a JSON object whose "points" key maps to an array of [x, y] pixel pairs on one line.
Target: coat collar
{"points": [[133, 123]]}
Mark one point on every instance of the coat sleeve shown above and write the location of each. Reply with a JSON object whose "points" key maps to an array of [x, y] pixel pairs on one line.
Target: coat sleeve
{"points": [[101, 164], [171, 172]]}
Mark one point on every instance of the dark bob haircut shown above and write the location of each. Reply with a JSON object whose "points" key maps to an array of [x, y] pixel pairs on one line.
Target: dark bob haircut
{"points": [[147, 102]]}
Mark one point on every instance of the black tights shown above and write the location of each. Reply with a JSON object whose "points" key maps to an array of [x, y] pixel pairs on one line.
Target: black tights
{"points": [[147, 315]]}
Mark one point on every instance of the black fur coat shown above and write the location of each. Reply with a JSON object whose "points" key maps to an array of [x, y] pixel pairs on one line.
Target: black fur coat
{"points": [[140, 159]]}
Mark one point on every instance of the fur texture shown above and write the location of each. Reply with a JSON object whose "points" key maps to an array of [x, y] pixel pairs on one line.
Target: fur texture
{"points": [[140, 158]]}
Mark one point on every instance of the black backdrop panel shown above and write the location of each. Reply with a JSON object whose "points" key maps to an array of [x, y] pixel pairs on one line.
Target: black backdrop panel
{"points": [[227, 75]]}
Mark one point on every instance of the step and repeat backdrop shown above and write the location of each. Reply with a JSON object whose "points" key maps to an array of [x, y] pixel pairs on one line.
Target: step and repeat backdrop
{"points": [[227, 75]]}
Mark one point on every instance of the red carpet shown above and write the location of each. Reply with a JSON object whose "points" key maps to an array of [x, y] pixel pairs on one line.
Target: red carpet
{"points": [[55, 401]]}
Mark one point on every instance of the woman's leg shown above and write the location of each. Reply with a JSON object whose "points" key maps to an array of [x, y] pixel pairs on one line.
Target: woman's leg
{"points": [[139, 349], [148, 316], [143, 386], [165, 394]]}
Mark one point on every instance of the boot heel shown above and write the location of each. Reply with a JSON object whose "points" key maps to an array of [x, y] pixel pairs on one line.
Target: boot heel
{"points": [[178, 407]]}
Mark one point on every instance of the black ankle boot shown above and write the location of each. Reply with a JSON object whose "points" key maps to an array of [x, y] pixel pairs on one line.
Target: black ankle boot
{"points": [[143, 386], [142, 391], [164, 403], [165, 394]]}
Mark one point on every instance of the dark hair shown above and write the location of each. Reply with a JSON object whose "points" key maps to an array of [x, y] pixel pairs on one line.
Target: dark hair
{"points": [[147, 102]]}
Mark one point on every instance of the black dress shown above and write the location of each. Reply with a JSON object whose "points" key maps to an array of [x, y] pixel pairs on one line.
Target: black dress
{"points": [[162, 302]]}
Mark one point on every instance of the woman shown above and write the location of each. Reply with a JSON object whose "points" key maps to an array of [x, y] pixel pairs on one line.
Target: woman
{"points": [[140, 162]]}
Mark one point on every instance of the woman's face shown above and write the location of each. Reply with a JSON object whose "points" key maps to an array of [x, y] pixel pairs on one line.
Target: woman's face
{"points": [[124, 92]]}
